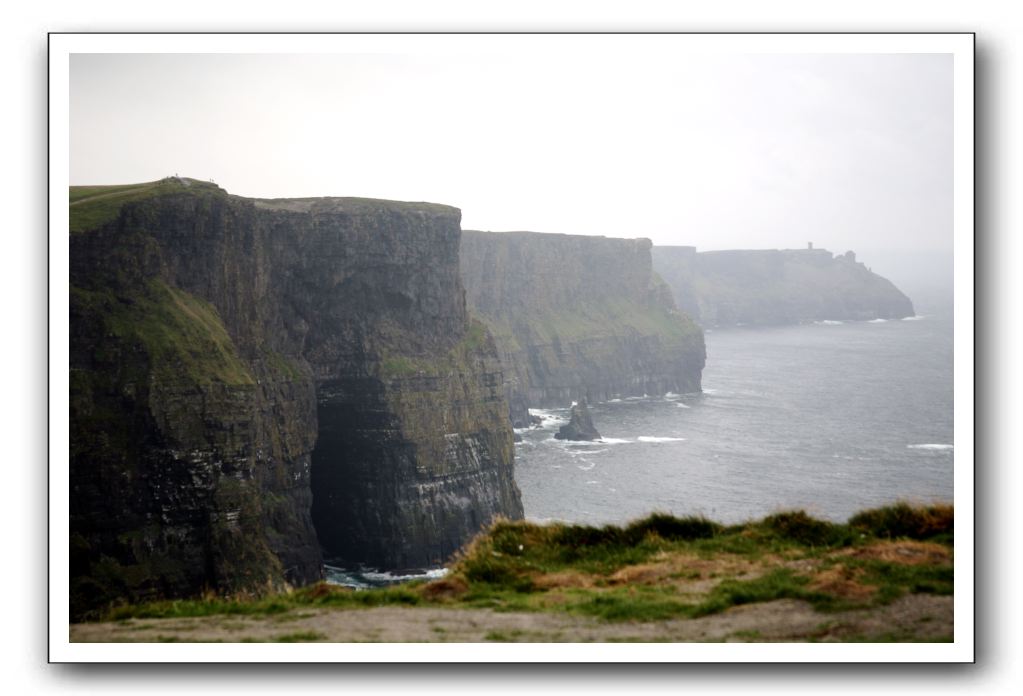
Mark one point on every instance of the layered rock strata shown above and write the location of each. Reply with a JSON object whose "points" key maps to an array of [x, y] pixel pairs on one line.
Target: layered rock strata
{"points": [[578, 317], [791, 286], [250, 379]]}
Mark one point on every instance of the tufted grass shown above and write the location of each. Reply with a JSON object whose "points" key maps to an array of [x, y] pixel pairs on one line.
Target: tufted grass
{"points": [[654, 569]]}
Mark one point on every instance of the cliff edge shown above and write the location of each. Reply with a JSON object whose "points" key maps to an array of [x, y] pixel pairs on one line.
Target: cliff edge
{"points": [[254, 379], [578, 317]]}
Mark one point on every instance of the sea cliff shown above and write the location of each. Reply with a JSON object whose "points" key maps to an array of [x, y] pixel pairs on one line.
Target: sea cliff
{"points": [[787, 286], [578, 317], [252, 380]]}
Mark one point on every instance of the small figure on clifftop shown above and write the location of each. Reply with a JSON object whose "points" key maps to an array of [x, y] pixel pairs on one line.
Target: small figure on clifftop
{"points": [[580, 427]]}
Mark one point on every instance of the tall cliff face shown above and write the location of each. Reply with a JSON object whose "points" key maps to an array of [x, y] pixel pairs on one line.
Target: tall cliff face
{"points": [[578, 317], [252, 379], [720, 288]]}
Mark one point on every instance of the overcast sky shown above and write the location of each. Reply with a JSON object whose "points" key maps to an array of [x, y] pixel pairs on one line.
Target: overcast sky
{"points": [[750, 151]]}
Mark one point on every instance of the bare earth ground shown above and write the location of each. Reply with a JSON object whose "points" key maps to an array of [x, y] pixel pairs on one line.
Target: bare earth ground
{"points": [[919, 617]]}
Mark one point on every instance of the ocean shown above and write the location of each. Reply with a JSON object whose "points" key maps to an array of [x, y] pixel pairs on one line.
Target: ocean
{"points": [[831, 418]]}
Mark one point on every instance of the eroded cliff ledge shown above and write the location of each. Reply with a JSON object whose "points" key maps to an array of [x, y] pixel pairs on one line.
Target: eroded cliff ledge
{"points": [[787, 286], [578, 317], [242, 369]]}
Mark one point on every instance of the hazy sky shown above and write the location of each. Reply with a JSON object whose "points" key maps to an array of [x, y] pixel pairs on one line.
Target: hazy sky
{"points": [[751, 151]]}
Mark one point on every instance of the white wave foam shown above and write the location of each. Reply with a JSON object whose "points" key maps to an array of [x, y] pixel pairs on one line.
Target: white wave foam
{"points": [[575, 448], [681, 405], [646, 438], [613, 441], [549, 414], [592, 482], [916, 317], [930, 447], [384, 576], [879, 320], [829, 322], [614, 401], [364, 578], [549, 420], [586, 468], [671, 396]]}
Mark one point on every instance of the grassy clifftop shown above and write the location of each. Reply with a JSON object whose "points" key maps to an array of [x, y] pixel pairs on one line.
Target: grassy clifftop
{"points": [[658, 569], [90, 207]]}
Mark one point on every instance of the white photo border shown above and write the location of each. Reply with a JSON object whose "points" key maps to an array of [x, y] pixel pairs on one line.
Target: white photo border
{"points": [[960, 45]]}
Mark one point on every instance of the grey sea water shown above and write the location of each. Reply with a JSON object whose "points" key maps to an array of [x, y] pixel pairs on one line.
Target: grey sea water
{"points": [[831, 418]]}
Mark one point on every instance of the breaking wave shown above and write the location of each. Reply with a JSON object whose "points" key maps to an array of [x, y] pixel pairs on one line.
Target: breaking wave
{"points": [[364, 578]]}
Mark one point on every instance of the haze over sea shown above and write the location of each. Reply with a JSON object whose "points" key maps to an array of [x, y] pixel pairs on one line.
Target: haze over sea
{"points": [[832, 418]]}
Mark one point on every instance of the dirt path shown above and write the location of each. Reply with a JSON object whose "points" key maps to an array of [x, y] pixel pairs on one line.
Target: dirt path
{"points": [[915, 617]]}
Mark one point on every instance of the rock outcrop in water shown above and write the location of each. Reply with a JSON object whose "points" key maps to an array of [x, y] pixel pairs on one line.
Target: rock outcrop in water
{"points": [[720, 288], [580, 425], [578, 317], [251, 379]]}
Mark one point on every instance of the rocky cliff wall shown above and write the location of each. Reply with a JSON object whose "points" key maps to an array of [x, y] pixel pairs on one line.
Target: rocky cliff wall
{"points": [[578, 317], [720, 288], [252, 379]]}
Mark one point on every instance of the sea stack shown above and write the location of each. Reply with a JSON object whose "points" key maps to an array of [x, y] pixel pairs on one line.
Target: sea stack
{"points": [[580, 427]]}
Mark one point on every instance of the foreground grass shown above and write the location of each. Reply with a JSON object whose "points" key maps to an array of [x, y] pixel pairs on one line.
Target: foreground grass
{"points": [[657, 568]]}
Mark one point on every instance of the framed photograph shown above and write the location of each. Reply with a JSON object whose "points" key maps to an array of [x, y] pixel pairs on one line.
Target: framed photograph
{"points": [[504, 347]]}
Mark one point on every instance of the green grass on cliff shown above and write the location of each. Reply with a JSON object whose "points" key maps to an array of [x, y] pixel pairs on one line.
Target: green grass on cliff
{"points": [[182, 335], [596, 320], [92, 206], [657, 568], [455, 359]]}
